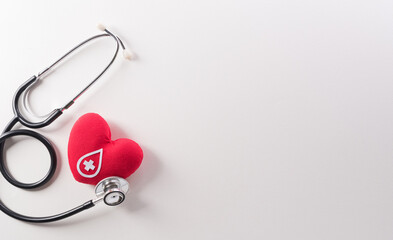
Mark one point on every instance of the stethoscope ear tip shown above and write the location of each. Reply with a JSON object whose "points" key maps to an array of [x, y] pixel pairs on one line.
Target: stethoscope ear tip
{"points": [[101, 27], [128, 55]]}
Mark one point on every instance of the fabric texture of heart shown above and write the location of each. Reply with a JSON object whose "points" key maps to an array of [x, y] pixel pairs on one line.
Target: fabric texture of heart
{"points": [[92, 154]]}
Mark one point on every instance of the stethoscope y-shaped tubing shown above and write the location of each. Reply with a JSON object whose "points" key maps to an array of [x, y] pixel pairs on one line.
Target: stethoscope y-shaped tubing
{"points": [[8, 133]]}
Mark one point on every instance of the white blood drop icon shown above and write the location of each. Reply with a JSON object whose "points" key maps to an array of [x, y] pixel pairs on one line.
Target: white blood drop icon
{"points": [[89, 164]]}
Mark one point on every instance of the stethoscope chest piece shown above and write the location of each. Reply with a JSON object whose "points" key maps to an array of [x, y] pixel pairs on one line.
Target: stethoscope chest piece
{"points": [[112, 190]]}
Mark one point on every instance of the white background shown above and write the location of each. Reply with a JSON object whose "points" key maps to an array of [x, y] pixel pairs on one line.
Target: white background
{"points": [[258, 119]]}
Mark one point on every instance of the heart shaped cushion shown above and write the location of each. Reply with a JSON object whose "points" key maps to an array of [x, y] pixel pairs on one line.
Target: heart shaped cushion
{"points": [[93, 155]]}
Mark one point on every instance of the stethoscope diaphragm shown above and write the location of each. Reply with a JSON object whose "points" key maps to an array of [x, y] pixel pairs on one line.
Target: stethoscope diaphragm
{"points": [[111, 190]]}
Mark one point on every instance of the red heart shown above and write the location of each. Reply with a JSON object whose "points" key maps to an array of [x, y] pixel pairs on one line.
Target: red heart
{"points": [[92, 154]]}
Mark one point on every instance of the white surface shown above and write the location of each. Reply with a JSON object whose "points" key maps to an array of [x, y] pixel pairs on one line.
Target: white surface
{"points": [[258, 119]]}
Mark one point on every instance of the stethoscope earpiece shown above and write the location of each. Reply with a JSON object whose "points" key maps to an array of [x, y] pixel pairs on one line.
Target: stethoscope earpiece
{"points": [[111, 190]]}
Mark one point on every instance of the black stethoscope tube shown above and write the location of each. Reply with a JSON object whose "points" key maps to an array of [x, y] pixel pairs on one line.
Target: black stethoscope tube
{"points": [[8, 133]]}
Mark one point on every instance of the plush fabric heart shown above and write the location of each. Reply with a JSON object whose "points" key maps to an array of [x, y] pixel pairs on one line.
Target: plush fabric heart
{"points": [[92, 154]]}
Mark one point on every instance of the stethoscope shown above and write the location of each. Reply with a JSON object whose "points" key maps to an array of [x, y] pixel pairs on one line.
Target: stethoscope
{"points": [[111, 190]]}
